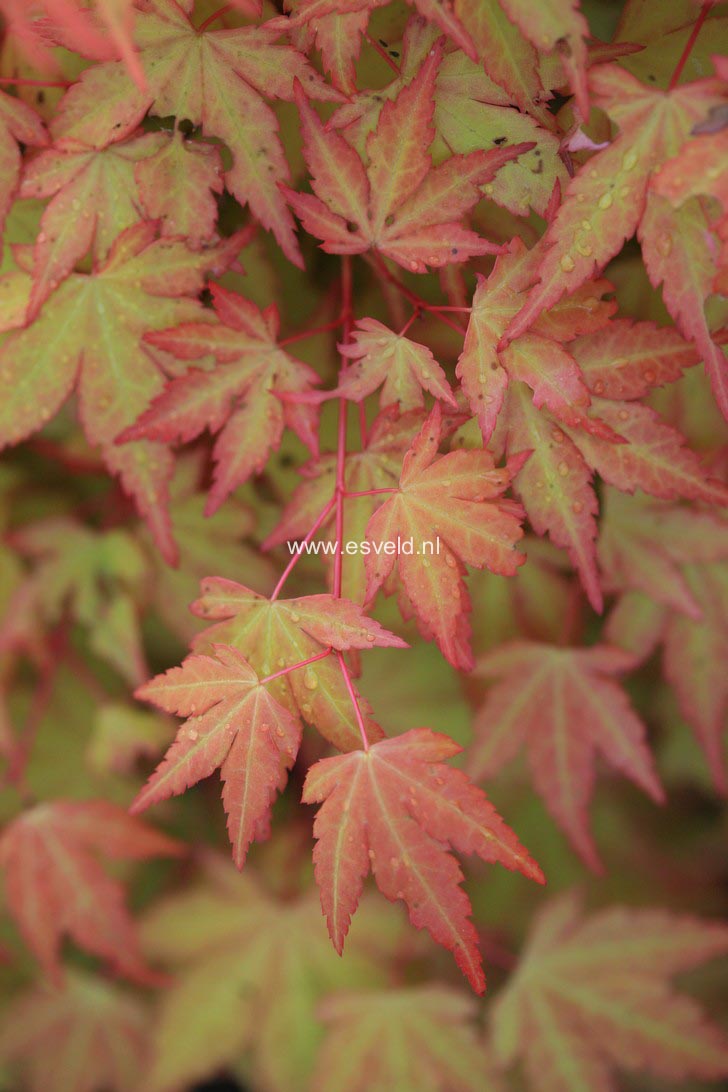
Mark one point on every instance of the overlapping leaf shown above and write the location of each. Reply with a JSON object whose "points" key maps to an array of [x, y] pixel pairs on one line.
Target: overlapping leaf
{"points": [[274, 635], [235, 68], [238, 398], [582, 415], [395, 810], [18, 123], [566, 706], [261, 964], [451, 513], [398, 204], [233, 724], [376, 467], [403, 368], [611, 197], [88, 335]]}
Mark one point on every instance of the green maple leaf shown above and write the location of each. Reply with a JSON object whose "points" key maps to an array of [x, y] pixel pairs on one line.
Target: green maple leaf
{"points": [[88, 337]]}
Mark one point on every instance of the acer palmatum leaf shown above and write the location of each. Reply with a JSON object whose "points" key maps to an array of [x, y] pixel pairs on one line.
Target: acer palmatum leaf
{"points": [[399, 204], [238, 399], [87, 336], [644, 543], [615, 185], [456, 498], [402, 367], [395, 810], [409, 1038], [695, 643], [45, 1031], [233, 724], [332, 621], [277, 634], [236, 67], [55, 886], [566, 707], [574, 419], [93, 198], [592, 995], [262, 961]]}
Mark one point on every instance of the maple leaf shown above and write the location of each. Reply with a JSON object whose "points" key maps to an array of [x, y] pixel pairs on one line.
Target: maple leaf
{"points": [[408, 1039], [66, 891], [644, 543], [236, 67], [18, 123], [395, 809], [573, 408], [557, 25], [278, 634], [94, 576], [45, 1031], [686, 614], [404, 367], [88, 335], [456, 498], [178, 184], [398, 204], [337, 35], [611, 197], [438, 12], [565, 705], [261, 963], [238, 398], [701, 167], [471, 113], [593, 994], [376, 467], [234, 724], [93, 199], [102, 32]]}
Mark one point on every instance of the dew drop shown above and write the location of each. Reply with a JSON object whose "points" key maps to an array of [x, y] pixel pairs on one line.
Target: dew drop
{"points": [[192, 734], [584, 248], [563, 469], [371, 638], [557, 436], [309, 679], [649, 375], [295, 618], [605, 201], [577, 507], [629, 161], [450, 561], [623, 415], [567, 263], [664, 244], [586, 225]]}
